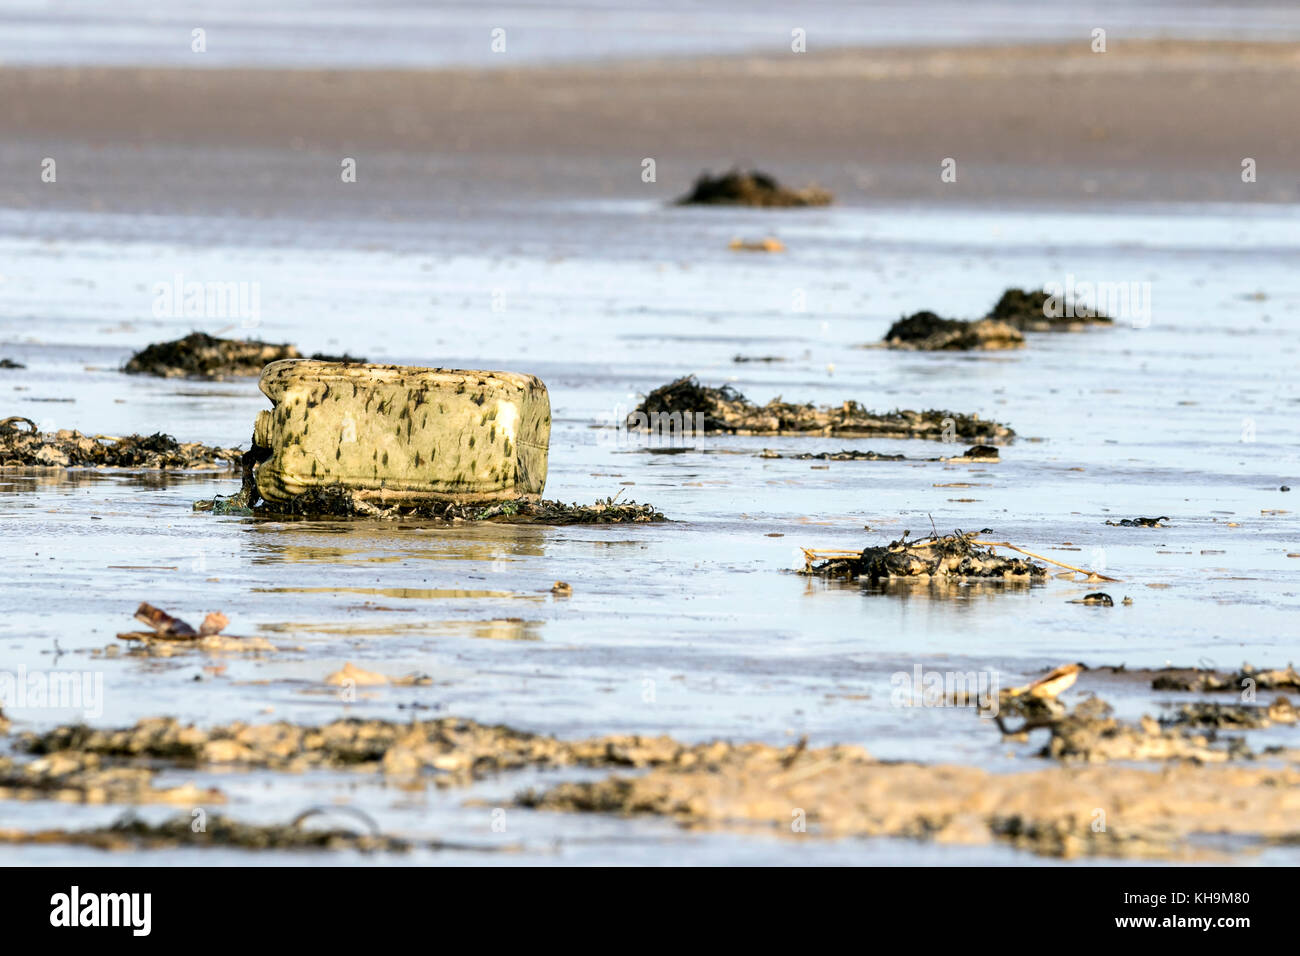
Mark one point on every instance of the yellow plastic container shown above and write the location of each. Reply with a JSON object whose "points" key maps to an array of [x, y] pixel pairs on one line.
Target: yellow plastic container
{"points": [[391, 434]]}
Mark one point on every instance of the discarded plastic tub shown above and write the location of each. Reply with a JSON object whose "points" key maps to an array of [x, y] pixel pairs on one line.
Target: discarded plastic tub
{"points": [[390, 434]]}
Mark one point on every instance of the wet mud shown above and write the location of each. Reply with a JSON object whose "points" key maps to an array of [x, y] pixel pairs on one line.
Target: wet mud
{"points": [[842, 791], [686, 404], [751, 188]]}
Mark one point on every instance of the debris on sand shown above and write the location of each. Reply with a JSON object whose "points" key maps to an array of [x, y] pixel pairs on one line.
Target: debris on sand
{"points": [[976, 453], [1096, 599], [168, 628], [685, 406], [204, 356], [29, 447], [952, 557], [10, 363], [752, 188], [1138, 522], [393, 435], [742, 359], [1051, 811], [927, 332], [768, 244], [173, 630], [388, 441], [1040, 312], [1051, 685]]}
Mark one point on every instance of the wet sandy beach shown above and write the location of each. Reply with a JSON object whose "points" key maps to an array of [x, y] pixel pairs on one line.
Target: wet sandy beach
{"points": [[500, 220]]}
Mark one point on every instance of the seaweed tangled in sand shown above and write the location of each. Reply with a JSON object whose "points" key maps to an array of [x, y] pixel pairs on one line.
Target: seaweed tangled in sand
{"points": [[453, 750], [687, 406], [1091, 734], [202, 356], [1199, 680], [927, 332], [1039, 311], [752, 188], [335, 501], [976, 453], [28, 446], [950, 557], [132, 833], [339, 502]]}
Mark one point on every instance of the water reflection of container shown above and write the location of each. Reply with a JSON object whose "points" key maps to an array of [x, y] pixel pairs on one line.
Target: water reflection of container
{"points": [[396, 435]]}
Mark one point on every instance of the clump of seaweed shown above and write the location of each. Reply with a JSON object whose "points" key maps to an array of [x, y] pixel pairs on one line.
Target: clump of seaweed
{"points": [[1038, 311], [1090, 734], [455, 751], [927, 332], [1209, 681], [975, 453], [1232, 716], [951, 557], [751, 188], [1139, 522], [686, 405], [845, 455], [65, 448], [335, 501], [202, 356]]}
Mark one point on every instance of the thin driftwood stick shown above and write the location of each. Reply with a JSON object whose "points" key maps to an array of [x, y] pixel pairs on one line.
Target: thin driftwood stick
{"points": [[813, 554], [1061, 564]]}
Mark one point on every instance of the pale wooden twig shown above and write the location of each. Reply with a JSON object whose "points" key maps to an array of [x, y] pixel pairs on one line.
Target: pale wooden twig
{"points": [[1061, 564]]}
